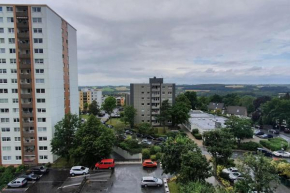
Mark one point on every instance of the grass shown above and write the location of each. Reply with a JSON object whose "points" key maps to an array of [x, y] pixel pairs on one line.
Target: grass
{"points": [[116, 122], [160, 130], [61, 163], [85, 116], [275, 144], [173, 187]]}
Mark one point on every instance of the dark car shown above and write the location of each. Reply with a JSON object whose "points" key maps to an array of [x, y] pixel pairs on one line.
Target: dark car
{"points": [[139, 135], [30, 177], [259, 133], [286, 130], [129, 132], [265, 152], [150, 137], [161, 139], [158, 143], [39, 170], [274, 131]]}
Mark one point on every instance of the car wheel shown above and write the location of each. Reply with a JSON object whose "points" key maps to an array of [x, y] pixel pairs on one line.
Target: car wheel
{"points": [[73, 174], [145, 185], [84, 173], [110, 168], [158, 185], [97, 168]]}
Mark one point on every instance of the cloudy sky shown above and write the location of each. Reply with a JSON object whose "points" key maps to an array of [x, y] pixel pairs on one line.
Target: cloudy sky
{"points": [[186, 42]]}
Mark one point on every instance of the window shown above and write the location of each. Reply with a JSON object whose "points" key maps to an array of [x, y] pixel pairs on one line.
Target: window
{"points": [[2, 61], [39, 71], [42, 129], [10, 30], [9, 9], [142, 103], [2, 50], [37, 40], [4, 110], [40, 100], [14, 100], [2, 40], [3, 90], [38, 61], [16, 129], [17, 138], [11, 40], [14, 90], [6, 158], [5, 129], [42, 147], [3, 71], [41, 119], [37, 30], [38, 51], [6, 138], [16, 120], [13, 71], [12, 50], [13, 80], [10, 19], [18, 157], [1, 19], [3, 81], [42, 138], [6, 148], [3, 100], [40, 90], [15, 110], [18, 148], [41, 110], [169, 92], [39, 80], [13, 61], [36, 9], [4, 120], [43, 157], [1, 9], [36, 20]]}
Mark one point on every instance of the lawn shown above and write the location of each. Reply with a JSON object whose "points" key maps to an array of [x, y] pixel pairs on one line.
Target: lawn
{"points": [[61, 163], [173, 187], [116, 122], [160, 130], [275, 144], [84, 116]]}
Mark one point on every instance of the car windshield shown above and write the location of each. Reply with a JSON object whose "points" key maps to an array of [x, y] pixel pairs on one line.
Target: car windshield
{"points": [[83, 168], [155, 179]]}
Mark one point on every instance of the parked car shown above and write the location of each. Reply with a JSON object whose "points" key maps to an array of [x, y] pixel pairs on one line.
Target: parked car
{"points": [[259, 133], [30, 177], [266, 136], [274, 131], [79, 170], [234, 175], [145, 141], [40, 170], [159, 143], [281, 153], [161, 139], [129, 132], [148, 163], [150, 137], [230, 170], [265, 152], [17, 183], [286, 130], [105, 164], [139, 135], [151, 181]]}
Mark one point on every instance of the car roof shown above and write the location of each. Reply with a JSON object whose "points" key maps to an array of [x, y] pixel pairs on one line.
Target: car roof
{"points": [[77, 167], [147, 160], [19, 179], [107, 160], [148, 178]]}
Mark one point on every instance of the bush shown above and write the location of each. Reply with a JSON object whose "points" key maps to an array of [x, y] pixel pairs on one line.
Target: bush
{"points": [[2, 168], [21, 168], [145, 153], [153, 157], [48, 165], [194, 131], [158, 156], [131, 146], [155, 149], [249, 146], [197, 136], [275, 144]]}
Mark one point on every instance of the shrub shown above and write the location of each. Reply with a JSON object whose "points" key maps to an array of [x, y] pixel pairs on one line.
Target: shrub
{"points": [[48, 165], [250, 146], [158, 156], [153, 157], [195, 131], [197, 136], [2, 168], [275, 144], [21, 168], [145, 153]]}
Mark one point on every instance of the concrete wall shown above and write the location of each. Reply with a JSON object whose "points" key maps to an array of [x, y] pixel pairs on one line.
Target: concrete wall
{"points": [[125, 154]]}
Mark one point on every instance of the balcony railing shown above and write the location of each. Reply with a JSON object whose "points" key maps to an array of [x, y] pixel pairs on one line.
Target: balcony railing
{"points": [[23, 25], [23, 46], [26, 56], [23, 35], [27, 105], [25, 76], [28, 124], [21, 14]]}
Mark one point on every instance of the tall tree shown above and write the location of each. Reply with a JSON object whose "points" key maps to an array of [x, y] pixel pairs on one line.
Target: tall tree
{"points": [[63, 139], [129, 115], [240, 127], [231, 99], [145, 128], [109, 105], [219, 144], [216, 98], [86, 105], [93, 142], [202, 103], [247, 101], [94, 108], [260, 100], [258, 173], [180, 110], [192, 98], [165, 113]]}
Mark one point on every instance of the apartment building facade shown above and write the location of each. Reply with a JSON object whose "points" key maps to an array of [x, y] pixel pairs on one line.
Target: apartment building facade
{"points": [[88, 95], [38, 81], [147, 99]]}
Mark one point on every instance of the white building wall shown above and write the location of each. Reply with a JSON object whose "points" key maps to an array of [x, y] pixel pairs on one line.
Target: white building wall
{"points": [[97, 96]]}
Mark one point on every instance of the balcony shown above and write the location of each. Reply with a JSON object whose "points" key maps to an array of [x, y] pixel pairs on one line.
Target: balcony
{"points": [[23, 35], [26, 95], [29, 159], [23, 46], [155, 89], [22, 14], [23, 25], [25, 66], [28, 134], [28, 85], [28, 124], [27, 114], [24, 56], [155, 107], [27, 105], [25, 76], [29, 142], [155, 112]]}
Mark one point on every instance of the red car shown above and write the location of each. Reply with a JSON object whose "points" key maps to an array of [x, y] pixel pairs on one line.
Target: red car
{"points": [[105, 164], [149, 163]]}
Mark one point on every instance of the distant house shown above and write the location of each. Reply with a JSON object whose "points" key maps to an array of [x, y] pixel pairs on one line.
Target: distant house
{"points": [[215, 106], [237, 110]]}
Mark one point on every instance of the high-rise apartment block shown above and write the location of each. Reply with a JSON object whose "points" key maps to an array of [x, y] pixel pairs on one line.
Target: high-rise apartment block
{"points": [[38, 81], [88, 95], [147, 99]]}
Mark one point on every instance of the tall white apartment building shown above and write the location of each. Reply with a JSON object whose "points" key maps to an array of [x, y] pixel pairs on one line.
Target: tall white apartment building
{"points": [[38, 81]]}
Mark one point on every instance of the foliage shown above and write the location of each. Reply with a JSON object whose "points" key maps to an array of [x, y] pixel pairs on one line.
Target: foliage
{"points": [[180, 112], [155, 149], [231, 99], [145, 128], [202, 103], [64, 135], [165, 113], [192, 98], [259, 174], [93, 142], [196, 186], [241, 128], [21, 168], [182, 156], [153, 157], [158, 156], [197, 136], [129, 115], [145, 153], [173, 187], [250, 146], [260, 100], [216, 98], [247, 101], [94, 108], [194, 131], [109, 105], [131, 145], [219, 144], [86, 105], [223, 178], [282, 167], [275, 144], [8, 173]]}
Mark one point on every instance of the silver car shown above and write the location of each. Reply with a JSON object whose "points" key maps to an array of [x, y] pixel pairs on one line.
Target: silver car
{"points": [[151, 181], [17, 183]]}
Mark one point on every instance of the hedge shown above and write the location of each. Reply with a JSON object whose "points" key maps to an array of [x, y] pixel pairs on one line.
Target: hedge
{"points": [[145, 153], [275, 144], [153, 157], [250, 146], [197, 136], [194, 131]]}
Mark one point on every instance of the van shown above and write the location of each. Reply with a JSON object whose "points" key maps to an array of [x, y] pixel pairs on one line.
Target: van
{"points": [[105, 164]]}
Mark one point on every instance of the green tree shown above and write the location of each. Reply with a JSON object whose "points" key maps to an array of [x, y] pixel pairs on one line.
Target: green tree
{"points": [[247, 101], [94, 108], [182, 157], [259, 174], [86, 105], [145, 128], [219, 144], [240, 127], [93, 142], [260, 100], [64, 135], [183, 99], [129, 115], [109, 105], [203, 102], [216, 98], [192, 98], [165, 113], [231, 99], [180, 110], [196, 186]]}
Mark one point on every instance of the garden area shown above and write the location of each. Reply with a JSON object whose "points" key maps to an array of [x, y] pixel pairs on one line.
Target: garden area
{"points": [[8, 173], [275, 144]]}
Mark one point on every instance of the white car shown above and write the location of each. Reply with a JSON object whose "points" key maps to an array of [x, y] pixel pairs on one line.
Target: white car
{"points": [[145, 141], [235, 175], [151, 181], [281, 153], [230, 170], [17, 183], [78, 170]]}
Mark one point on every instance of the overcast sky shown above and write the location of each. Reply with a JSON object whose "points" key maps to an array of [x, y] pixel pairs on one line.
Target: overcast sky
{"points": [[186, 42]]}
